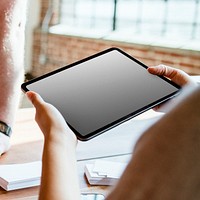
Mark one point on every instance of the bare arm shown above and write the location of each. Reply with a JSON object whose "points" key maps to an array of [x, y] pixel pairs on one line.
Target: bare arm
{"points": [[59, 171], [165, 163], [12, 22], [166, 160]]}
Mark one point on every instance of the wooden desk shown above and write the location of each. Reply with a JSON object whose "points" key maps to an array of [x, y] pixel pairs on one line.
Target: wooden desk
{"points": [[27, 146]]}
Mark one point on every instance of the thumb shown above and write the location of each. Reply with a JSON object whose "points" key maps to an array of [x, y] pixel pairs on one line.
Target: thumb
{"points": [[35, 98]]}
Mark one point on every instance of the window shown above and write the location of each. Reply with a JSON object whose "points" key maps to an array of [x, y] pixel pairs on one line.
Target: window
{"points": [[88, 14], [164, 18]]}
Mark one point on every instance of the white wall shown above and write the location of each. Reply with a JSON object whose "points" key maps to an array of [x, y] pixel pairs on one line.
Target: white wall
{"points": [[33, 17]]}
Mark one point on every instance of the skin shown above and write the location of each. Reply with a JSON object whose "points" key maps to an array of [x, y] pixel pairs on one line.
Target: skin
{"points": [[165, 162], [12, 23], [59, 171], [177, 76]]}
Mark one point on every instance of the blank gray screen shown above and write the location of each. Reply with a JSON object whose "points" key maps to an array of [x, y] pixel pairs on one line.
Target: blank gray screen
{"points": [[100, 91]]}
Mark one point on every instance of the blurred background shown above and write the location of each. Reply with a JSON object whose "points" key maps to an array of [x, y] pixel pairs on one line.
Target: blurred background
{"points": [[60, 32]]}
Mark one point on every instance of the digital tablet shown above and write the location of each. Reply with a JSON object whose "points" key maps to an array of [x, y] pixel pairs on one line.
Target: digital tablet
{"points": [[102, 91]]}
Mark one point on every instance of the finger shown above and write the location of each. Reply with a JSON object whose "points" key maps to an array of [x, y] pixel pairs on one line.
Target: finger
{"points": [[176, 75], [163, 70], [35, 98]]}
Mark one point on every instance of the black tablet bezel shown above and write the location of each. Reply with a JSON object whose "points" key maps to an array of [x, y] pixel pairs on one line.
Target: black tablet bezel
{"points": [[119, 121]]}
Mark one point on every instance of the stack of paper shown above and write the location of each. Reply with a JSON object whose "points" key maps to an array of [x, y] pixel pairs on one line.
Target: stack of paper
{"points": [[17, 176], [104, 172]]}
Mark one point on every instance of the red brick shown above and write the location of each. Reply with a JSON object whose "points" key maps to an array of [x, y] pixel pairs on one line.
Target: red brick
{"points": [[64, 50]]}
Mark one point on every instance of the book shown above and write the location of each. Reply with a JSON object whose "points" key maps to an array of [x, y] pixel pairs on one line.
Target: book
{"points": [[18, 176]]}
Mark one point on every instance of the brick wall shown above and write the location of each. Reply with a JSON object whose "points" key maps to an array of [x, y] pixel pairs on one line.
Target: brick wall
{"points": [[62, 50]]}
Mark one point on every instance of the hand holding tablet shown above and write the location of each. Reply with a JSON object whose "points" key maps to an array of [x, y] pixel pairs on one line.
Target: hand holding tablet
{"points": [[102, 91]]}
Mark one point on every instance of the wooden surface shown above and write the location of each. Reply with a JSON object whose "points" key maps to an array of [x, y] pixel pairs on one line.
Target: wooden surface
{"points": [[27, 145]]}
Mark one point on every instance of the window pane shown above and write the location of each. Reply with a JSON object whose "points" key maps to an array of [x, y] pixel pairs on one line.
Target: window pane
{"points": [[87, 13], [169, 18]]}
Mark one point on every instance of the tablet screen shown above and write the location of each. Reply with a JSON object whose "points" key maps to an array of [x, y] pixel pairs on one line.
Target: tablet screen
{"points": [[102, 91]]}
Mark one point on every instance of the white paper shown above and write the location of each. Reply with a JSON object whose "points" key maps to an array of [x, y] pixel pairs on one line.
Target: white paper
{"points": [[108, 168], [16, 176], [104, 172]]}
